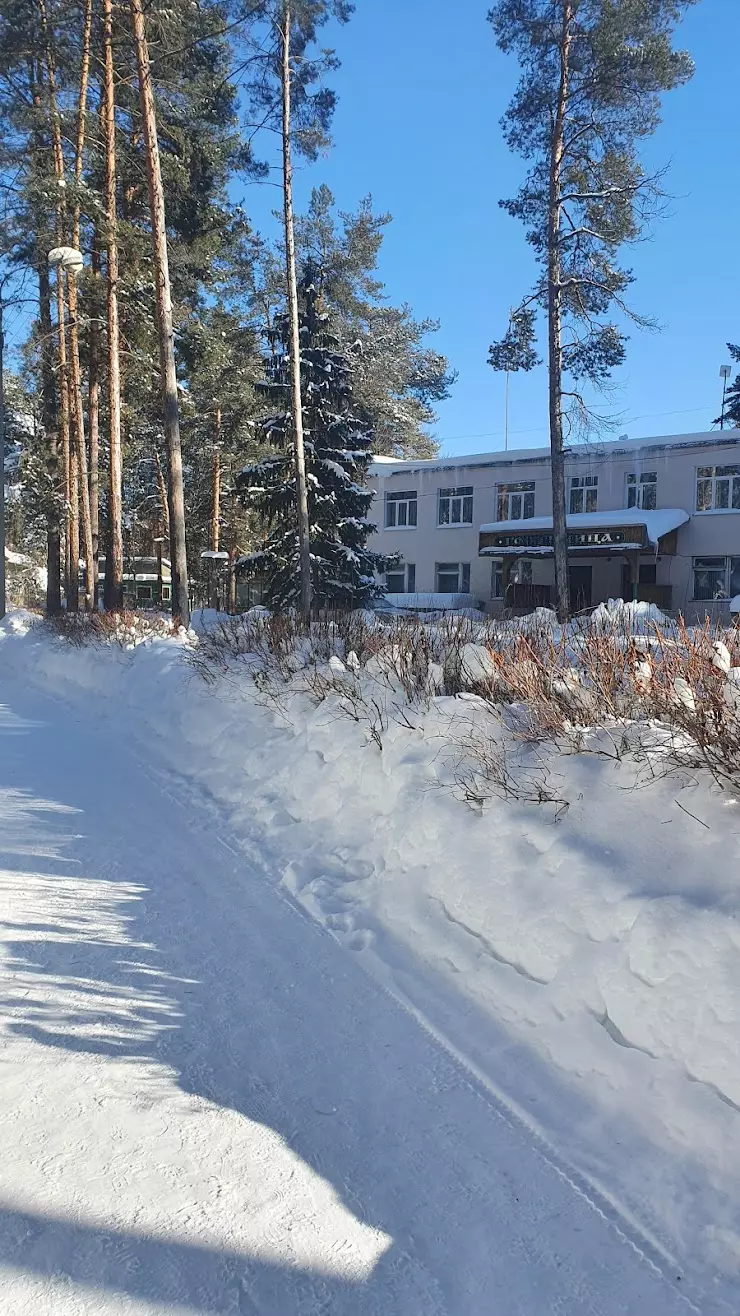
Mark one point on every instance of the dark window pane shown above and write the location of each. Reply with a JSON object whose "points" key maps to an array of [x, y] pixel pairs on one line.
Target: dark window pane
{"points": [[411, 578], [402, 509], [736, 494], [455, 519], [468, 508], [412, 512], [648, 573], [516, 507], [528, 504], [465, 573], [649, 497], [394, 581], [703, 495], [734, 576], [722, 493], [632, 496], [444, 511]]}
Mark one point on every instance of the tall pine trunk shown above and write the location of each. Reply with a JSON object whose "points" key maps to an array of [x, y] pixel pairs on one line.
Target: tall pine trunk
{"points": [[93, 411], [71, 563], [175, 491], [71, 570], [50, 418], [304, 545], [215, 510], [554, 328], [74, 331], [113, 597]]}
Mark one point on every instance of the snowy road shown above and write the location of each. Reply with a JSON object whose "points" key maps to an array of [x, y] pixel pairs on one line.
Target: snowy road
{"points": [[208, 1107]]}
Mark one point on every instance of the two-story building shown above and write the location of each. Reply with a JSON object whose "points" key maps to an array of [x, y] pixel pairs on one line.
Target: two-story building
{"points": [[654, 519]]}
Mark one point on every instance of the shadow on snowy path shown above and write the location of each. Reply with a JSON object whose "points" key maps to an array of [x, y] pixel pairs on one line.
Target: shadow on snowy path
{"points": [[173, 953], [164, 1272]]}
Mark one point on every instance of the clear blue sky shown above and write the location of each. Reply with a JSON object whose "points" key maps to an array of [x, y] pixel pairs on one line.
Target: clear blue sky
{"points": [[421, 90]]}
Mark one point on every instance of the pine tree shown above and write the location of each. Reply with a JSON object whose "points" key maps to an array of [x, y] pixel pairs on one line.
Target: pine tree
{"points": [[591, 76], [338, 452]]}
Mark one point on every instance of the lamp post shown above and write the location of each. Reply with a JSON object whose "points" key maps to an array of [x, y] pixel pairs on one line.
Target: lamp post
{"points": [[158, 542], [724, 374]]}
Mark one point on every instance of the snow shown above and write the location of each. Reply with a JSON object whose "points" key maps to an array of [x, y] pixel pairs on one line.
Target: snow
{"points": [[384, 466], [524, 1026], [427, 602], [656, 523]]}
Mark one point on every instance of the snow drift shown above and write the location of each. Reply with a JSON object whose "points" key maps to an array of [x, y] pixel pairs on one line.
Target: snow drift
{"points": [[581, 958]]}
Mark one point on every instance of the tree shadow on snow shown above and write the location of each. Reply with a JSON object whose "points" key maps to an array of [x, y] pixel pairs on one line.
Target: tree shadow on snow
{"points": [[186, 959]]}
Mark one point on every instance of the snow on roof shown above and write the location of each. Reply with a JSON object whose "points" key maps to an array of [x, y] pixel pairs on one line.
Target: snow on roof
{"points": [[385, 466], [656, 524]]}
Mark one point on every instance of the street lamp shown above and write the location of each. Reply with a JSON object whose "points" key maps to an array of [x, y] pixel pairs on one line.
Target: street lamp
{"points": [[724, 374], [66, 258]]}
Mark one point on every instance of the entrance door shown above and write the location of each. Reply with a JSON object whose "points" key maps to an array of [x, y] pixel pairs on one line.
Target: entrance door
{"points": [[580, 588]]}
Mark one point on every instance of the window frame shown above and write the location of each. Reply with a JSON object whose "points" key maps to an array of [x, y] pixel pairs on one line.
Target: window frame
{"points": [[639, 481], [406, 498], [408, 571], [463, 577], [585, 485], [708, 475], [730, 568], [521, 489], [455, 494]]}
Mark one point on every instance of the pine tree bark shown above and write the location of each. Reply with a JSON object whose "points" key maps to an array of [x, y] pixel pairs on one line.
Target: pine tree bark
{"points": [[216, 486], [71, 563], [113, 597], [70, 575], [554, 327], [50, 417], [304, 544], [93, 411], [175, 491], [74, 336], [73, 595], [215, 511], [163, 500]]}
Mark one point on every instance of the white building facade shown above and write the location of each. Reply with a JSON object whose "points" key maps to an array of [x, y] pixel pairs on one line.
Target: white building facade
{"points": [[654, 519]]}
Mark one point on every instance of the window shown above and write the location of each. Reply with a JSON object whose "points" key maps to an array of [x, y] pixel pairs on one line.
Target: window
{"points": [[716, 577], [400, 509], [718, 489], [453, 577], [583, 493], [143, 593], [401, 579], [516, 501], [455, 507], [642, 490], [521, 574], [166, 593], [648, 573]]}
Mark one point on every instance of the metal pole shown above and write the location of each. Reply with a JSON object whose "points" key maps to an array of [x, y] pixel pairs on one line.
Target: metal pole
{"points": [[2, 467], [724, 390], [506, 415]]}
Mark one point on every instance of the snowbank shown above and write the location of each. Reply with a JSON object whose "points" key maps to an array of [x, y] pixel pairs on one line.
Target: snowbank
{"points": [[581, 958]]}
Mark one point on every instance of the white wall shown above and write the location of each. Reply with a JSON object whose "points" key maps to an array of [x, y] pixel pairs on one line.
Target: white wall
{"points": [[675, 459]]}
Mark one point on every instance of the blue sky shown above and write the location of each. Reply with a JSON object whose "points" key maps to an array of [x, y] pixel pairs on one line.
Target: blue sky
{"points": [[422, 88]]}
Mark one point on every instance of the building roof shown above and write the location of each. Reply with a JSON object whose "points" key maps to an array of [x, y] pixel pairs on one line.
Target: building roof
{"points": [[385, 466], [656, 523]]}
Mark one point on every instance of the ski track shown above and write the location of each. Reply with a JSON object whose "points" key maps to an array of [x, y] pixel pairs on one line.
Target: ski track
{"points": [[208, 1106]]}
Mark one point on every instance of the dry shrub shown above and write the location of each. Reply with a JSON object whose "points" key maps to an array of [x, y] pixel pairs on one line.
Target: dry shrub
{"points": [[125, 628]]}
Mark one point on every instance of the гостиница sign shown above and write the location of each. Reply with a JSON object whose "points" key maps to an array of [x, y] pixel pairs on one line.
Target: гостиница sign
{"points": [[576, 538]]}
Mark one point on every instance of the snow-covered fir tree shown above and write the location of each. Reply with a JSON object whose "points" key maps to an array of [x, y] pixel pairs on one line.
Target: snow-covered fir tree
{"points": [[338, 453]]}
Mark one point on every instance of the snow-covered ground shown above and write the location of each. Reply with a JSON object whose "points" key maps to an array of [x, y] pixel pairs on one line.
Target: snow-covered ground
{"points": [[212, 1108]]}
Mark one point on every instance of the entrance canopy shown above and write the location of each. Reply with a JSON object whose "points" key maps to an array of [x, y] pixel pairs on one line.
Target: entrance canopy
{"points": [[627, 530]]}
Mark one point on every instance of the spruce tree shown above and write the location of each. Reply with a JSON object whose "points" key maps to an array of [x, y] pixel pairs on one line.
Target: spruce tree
{"points": [[338, 449]]}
